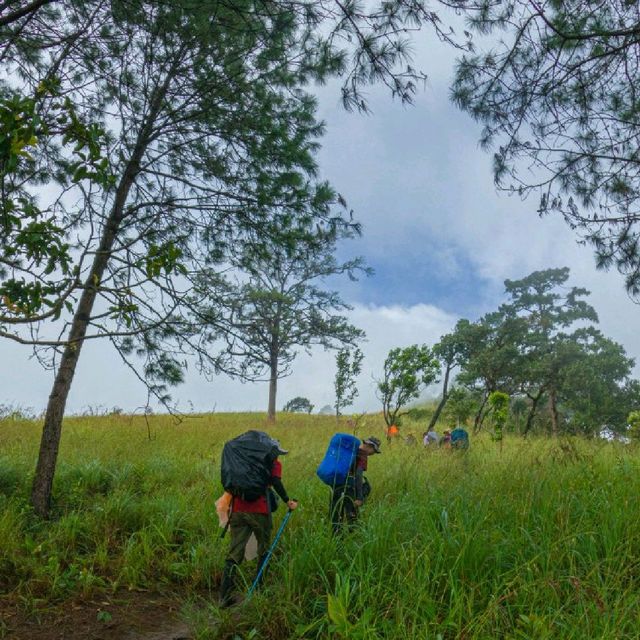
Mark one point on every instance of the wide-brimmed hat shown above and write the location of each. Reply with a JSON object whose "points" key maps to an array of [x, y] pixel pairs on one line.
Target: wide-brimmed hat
{"points": [[373, 442]]}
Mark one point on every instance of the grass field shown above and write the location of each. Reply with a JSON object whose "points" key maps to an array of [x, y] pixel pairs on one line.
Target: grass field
{"points": [[541, 540]]}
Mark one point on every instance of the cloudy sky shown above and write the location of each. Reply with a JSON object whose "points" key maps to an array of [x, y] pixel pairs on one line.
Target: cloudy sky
{"points": [[440, 239]]}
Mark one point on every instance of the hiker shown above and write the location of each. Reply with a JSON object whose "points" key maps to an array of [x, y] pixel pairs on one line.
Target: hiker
{"points": [[446, 439], [430, 438], [459, 439], [348, 497], [392, 432], [253, 516], [410, 440]]}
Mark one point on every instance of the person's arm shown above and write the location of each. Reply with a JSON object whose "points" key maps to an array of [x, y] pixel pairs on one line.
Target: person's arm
{"points": [[276, 483]]}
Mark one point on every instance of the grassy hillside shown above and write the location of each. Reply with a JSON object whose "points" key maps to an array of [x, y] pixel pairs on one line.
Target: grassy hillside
{"points": [[539, 541]]}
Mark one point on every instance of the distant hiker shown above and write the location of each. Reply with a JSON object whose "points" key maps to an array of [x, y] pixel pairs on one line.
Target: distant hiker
{"points": [[446, 439], [392, 432], [430, 438], [459, 439], [250, 466], [410, 440], [343, 470]]}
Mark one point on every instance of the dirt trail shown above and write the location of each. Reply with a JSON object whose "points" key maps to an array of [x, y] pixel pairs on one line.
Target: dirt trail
{"points": [[123, 616], [179, 632]]}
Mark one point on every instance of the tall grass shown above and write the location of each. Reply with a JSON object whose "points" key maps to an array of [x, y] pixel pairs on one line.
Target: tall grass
{"points": [[541, 540]]}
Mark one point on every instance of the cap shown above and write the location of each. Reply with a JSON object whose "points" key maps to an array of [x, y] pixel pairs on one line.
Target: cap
{"points": [[373, 442], [281, 451]]}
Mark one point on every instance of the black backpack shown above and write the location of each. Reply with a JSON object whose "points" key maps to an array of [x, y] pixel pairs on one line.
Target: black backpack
{"points": [[247, 465]]}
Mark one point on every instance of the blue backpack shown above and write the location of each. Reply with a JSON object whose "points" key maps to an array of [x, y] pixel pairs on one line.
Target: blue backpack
{"points": [[459, 439], [336, 464]]}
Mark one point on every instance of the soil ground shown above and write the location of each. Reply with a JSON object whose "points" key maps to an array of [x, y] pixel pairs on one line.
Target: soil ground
{"points": [[126, 615]]}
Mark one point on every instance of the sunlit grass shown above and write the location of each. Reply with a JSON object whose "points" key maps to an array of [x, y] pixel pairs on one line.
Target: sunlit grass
{"points": [[541, 540]]}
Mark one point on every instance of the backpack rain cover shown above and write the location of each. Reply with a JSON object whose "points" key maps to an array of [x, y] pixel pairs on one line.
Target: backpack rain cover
{"points": [[247, 464], [459, 438]]}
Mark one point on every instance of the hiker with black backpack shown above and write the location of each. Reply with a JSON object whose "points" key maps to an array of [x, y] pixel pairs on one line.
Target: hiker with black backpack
{"points": [[343, 470], [250, 470]]}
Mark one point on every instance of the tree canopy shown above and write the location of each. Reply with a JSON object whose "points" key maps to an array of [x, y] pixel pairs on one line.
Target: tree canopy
{"points": [[298, 404], [555, 86], [407, 371], [542, 349], [348, 367], [275, 304]]}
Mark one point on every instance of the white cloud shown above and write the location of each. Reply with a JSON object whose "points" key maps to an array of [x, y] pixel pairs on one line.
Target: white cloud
{"points": [[430, 192]]}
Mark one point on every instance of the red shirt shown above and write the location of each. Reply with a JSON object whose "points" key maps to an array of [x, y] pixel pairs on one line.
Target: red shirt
{"points": [[260, 505], [360, 462]]}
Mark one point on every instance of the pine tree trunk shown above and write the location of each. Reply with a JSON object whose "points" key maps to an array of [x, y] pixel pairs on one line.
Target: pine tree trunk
{"points": [[273, 388], [443, 400], [273, 377], [52, 429]]}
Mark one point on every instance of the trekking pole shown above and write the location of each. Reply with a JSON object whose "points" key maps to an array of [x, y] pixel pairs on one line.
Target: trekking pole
{"points": [[268, 556]]}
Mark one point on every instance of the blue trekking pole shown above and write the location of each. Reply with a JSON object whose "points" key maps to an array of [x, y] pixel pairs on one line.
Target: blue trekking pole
{"points": [[268, 556]]}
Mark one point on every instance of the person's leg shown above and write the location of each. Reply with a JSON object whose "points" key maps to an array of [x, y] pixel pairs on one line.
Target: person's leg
{"points": [[261, 527], [349, 506], [240, 532], [336, 508], [228, 583]]}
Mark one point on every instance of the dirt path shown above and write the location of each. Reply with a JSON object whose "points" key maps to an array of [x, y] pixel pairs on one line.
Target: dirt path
{"points": [[123, 616]]}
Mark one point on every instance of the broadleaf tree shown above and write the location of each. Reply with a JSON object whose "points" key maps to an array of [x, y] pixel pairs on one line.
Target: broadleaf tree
{"points": [[597, 390], [451, 350], [499, 403], [299, 404], [407, 371], [493, 358], [633, 420], [461, 404]]}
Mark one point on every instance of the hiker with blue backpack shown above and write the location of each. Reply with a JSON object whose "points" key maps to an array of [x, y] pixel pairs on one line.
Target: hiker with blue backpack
{"points": [[250, 470], [343, 470], [459, 439]]}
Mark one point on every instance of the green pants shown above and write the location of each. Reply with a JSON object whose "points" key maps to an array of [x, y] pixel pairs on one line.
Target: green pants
{"points": [[242, 525]]}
